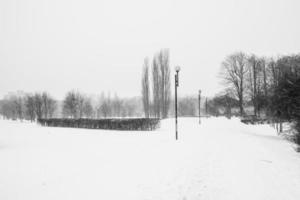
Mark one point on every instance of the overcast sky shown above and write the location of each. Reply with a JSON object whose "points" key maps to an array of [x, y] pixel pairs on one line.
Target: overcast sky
{"points": [[100, 45]]}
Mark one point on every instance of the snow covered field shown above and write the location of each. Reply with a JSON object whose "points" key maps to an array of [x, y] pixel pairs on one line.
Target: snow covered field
{"points": [[220, 159]]}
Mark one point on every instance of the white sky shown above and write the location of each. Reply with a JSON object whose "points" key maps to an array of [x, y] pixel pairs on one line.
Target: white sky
{"points": [[95, 46]]}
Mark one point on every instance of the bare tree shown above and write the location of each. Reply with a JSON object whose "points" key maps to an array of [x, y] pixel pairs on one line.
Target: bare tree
{"points": [[116, 105], [233, 73], [18, 105], [165, 85], [77, 105], [49, 105], [146, 88], [52, 106], [70, 105], [30, 107], [156, 87], [131, 106], [45, 104], [13, 106], [80, 100], [88, 108], [226, 102], [38, 105], [254, 69], [7, 109], [105, 106], [161, 84], [274, 72], [263, 63]]}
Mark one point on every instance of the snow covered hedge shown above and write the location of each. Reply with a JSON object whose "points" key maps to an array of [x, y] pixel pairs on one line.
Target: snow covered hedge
{"points": [[255, 120], [111, 124]]}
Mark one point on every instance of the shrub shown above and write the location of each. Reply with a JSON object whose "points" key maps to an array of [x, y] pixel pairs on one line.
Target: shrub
{"points": [[111, 124]]}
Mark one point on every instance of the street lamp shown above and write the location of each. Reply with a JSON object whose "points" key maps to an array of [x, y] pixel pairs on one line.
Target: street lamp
{"points": [[199, 98], [177, 69]]}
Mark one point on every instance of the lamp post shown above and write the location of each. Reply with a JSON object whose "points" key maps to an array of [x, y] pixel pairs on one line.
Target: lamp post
{"points": [[177, 69], [199, 99]]}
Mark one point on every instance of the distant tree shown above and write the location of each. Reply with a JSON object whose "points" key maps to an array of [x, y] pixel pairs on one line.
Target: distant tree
{"points": [[211, 108], [78, 105], [8, 109], [45, 104], [233, 73], [48, 105], [19, 104], [80, 100], [146, 88], [130, 107], [225, 101], [161, 84], [38, 105], [52, 106], [156, 87], [88, 108], [263, 63], [105, 106], [116, 106], [253, 81], [70, 105], [13, 106], [30, 107], [264, 93], [165, 85], [273, 72], [187, 106]]}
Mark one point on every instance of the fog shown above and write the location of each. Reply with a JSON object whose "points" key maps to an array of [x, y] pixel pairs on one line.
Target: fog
{"points": [[95, 46]]}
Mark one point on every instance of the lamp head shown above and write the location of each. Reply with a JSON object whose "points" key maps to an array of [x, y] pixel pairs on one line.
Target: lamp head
{"points": [[177, 69]]}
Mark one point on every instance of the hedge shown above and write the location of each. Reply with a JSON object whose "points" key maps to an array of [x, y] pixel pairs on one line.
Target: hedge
{"points": [[251, 119], [255, 121], [110, 124]]}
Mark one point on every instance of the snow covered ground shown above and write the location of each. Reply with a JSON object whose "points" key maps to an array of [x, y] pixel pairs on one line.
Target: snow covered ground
{"points": [[218, 160]]}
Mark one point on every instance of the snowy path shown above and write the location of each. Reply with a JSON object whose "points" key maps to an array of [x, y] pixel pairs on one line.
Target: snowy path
{"points": [[220, 159]]}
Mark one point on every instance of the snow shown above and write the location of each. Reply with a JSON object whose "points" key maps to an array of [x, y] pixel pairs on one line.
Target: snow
{"points": [[219, 159]]}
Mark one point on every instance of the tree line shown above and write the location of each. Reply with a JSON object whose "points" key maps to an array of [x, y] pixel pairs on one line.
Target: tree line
{"points": [[75, 105], [28, 106], [270, 85], [78, 105], [255, 80]]}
